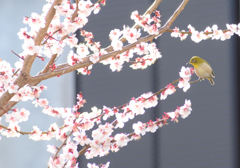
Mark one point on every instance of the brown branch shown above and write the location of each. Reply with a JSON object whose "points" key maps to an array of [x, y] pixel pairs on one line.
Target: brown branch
{"points": [[24, 75], [65, 68], [64, 142], [150, 10]]}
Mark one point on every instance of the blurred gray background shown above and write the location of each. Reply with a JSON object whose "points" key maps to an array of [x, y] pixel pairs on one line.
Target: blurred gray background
{"points": [[207, 138]]}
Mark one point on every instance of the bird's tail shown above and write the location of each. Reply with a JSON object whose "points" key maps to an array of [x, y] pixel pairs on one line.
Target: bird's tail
{"points": [[211, 81]]}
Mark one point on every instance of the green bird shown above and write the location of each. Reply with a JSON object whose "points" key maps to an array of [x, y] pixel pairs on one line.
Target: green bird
{"points": [[202, 69]]}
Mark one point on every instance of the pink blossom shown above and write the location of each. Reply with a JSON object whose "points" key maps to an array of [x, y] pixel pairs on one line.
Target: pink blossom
{"points": [[151, 126], [176, 32], [36, 134], [121, 139], [216, 33], [116, 65], [41, 102], [135, 16], [115, 34], [170, 89], [183, 36], [184, 83], [36, 21], [12, 131], [139, 128], [12, 88], [136, 107], [23, 115], [186, 73], [80, 21], [82, 50], [29, 47], [71, 41], [117, 45], [52, 149], [70, 151], [131, 34], [197, 36], [186, 109], [94, 58]]}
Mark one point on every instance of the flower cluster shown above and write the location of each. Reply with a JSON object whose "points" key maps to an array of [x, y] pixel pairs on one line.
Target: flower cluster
{"points": [[209, 33], [185, 76], [151, 126]]}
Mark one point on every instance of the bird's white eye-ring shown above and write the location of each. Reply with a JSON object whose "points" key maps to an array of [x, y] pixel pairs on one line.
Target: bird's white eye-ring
{"points": [[193, 60]]}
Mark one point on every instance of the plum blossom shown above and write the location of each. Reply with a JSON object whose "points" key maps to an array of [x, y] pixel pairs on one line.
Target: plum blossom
{"points": [[52, 149], [70, 150], [116, 65], [139, 128], [36, 21], [29, 47], [121, 139], [116, 44], [176, 32], [12, 88], [185, 75], [151, 126], [136, 107], [131, 34], [82, 50], [41, 102], [186, 109], [170, 89], [197, 36], [115, 34], [216, 33]]}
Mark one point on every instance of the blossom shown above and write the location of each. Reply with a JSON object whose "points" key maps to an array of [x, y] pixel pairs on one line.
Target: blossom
{"points": [[12, 88], [116, 65], [216, 33], [197, 36], [121, 139], [116, 44], [151, 126], [139, 128], [94, 58], [136, 107], [131, 34], [70, 151], [176, 32], [186, 109], [29, 47], [184, 83], [82, 50], [36, 21], [52, 149], [115, 34], [185, 73], [41, 102]]}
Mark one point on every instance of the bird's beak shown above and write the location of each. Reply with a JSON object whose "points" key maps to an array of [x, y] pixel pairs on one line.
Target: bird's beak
{"points": [[187, 63]]}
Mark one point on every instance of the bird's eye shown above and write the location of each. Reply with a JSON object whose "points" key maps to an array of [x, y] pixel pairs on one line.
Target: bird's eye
{"points": [[193, 60]]}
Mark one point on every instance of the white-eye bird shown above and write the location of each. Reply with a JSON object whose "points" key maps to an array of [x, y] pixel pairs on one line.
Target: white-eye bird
{"points": [[202, 69]]}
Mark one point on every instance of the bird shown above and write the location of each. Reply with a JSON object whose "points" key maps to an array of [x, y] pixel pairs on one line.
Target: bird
{"points": [[202, 69]]}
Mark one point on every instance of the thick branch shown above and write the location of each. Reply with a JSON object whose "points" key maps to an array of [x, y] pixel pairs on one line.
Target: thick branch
{"points": [[24, 74], [65, 68]]}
